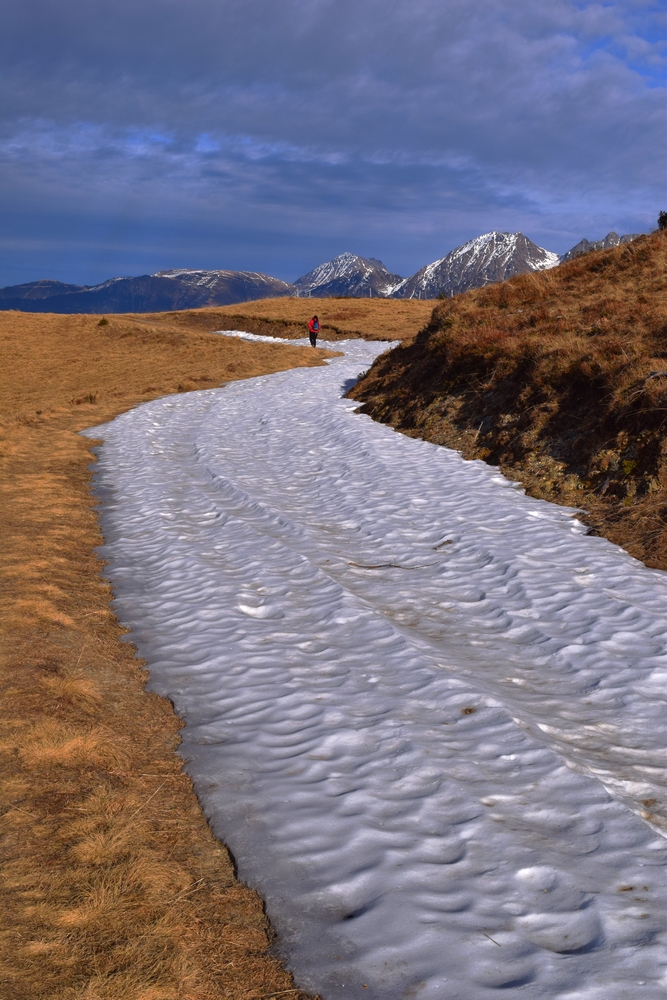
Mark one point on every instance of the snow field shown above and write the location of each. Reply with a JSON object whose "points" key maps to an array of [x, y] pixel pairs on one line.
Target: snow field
{"points": [[424, 711]]}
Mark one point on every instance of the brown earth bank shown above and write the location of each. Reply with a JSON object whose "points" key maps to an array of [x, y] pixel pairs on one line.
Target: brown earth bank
{"points": [[113, 887], [370, 319], [558, 377]]}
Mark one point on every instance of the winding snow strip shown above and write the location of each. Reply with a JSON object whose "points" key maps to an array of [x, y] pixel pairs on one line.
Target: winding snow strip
{"points": [[425, 711]]}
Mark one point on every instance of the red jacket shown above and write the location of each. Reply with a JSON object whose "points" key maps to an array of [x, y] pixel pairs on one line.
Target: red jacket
{"points": [[314, 325]]}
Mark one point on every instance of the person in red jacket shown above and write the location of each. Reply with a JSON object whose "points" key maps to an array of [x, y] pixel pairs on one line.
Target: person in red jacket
{"points": [[313, 330]]}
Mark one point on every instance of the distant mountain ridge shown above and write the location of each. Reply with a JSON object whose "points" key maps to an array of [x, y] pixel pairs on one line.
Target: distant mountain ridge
{"points": [[166, 290], [481, 261]]}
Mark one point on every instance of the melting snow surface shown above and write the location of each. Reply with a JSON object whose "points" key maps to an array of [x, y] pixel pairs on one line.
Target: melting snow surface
{"points": [[425, 711]]}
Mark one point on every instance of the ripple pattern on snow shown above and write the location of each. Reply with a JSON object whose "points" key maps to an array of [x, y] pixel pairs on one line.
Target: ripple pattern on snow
{"points": [[426, 712]]}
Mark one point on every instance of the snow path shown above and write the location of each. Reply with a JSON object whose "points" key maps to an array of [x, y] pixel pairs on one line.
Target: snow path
{"points": [[424, 710]]}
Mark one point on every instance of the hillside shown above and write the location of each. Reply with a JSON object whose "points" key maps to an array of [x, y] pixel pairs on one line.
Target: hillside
{"points": [[560, 378]]}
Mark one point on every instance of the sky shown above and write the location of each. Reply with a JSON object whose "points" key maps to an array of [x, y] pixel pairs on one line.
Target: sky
{"points": [[271, 135]]}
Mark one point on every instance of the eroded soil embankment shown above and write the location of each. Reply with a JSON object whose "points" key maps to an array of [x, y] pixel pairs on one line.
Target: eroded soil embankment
{"points": [[560, 378], [113, 885]]}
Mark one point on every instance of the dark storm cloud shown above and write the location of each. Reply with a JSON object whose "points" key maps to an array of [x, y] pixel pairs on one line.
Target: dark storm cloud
{"points": [[270, 132]]}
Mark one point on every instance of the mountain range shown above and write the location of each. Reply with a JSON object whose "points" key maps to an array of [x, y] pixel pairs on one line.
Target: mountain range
{"points": [[481, 261]]}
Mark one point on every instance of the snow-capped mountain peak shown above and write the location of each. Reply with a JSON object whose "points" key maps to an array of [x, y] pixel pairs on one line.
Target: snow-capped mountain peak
{"points": [[504, 247], [485, 259], [348, 274]]}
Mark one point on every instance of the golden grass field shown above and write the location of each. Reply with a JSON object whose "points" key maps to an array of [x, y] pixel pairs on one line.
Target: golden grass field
{"points": [[113, 887]]}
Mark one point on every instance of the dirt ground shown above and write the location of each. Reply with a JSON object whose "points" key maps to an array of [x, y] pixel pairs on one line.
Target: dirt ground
{"points": [[113, 887]]}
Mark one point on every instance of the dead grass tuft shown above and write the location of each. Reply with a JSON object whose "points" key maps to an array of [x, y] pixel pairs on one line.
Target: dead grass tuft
{"points": [[55, 745], [559, 377], [74, 690]]}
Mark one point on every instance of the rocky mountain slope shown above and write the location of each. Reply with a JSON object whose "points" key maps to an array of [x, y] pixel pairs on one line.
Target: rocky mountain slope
{"points": [[481, 261], [166, 290], [560, 379], [348, 274], [612, 239]]}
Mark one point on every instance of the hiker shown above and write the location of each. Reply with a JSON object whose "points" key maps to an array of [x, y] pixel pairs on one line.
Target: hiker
{"points": [[313, 330]]}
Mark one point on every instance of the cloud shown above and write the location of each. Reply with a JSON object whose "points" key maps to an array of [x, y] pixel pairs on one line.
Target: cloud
{"points": [[340, 125]]}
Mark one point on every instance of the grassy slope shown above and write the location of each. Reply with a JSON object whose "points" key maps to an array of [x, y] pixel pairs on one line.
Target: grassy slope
{"points": [[113, 886], [371, 319], [552, 376]]}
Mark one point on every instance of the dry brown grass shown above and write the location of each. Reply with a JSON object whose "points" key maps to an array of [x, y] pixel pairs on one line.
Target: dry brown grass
{"points": [[371, 319], [552, 376], [113, 887]]}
